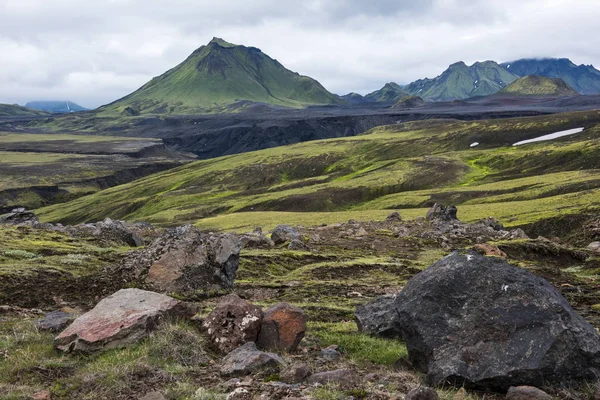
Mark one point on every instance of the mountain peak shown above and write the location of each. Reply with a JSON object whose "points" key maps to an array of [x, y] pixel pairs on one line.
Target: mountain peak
{"points": [[535, 85], [221, 42]]}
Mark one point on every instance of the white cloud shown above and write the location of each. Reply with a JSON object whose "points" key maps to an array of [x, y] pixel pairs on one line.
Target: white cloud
{"points": [[96, 51]]}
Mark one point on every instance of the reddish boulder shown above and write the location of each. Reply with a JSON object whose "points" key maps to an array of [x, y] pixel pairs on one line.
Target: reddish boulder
{"points": [[118, 320], [232, 323], [283, 327]]}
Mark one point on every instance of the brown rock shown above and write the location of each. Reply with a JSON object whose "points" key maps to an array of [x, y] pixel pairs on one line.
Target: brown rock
{"points": [[342, 377], [42, 395], [489, 250], [295, 373], [283, 327], [118, 320], [233, 322], [422, 393], [527, 393]]}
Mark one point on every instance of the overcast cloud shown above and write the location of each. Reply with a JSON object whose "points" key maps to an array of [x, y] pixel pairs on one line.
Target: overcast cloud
{"points": [[93, 52]]}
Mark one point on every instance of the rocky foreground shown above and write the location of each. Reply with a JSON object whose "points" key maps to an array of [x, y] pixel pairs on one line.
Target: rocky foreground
{"points": [[424, 309]]}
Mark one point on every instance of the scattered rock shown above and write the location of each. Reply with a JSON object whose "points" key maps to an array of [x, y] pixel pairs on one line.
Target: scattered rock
{"points": [[256, 240], [284, 233], [422, 393], [232, 323], [492, 223], [441, 212], [297, 245], [342, 377], [373, 318], [394, 217], [54, 321], [119, 320], [20, 217], [489, 250], [248, 359], [184, 261], [482, 321], [594, 246], [154, 396], [283, 327], [295, 373], [527, 393]]}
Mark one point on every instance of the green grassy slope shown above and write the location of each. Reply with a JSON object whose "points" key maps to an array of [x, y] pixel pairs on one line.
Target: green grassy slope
{"points": [[11, 110], [460, 81], [534, 85], [406, 167], [390, 93], [218, 75]]}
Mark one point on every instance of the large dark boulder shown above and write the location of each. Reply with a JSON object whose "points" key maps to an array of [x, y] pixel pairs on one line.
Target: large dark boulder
{"points": [[481, 322]]}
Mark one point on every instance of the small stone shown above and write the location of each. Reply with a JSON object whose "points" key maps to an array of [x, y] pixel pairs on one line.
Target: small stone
{"points": [[283, 327], [341, 377], [394, 217], [297, 245], [526, 393], [284, 233], [422, 393], [248, 359], [594, 246], [42, 395], [295, 373], [153, 396], [489, 250], [54, 321], [239, 394], [232, 323], [329, 354]]}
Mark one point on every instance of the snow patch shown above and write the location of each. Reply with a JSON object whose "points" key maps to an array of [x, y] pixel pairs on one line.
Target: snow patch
{"points": [[551, 136], [475, 144]]}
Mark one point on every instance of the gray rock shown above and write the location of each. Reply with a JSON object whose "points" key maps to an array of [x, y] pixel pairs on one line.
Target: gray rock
{"points": [[394, 217], [441, 212], [119, 320], [594, 246], [297, 245], [247, 359], [373, 318], [284, 233], [232, 323], [330, 354], [20, 216], [240, 394], [184, 261], [492, 223], [256, 241], [117, 231], [527, 393], [518, 234], [422, 393], [477, 320], [344, 378], [295, 373], [54, 321]]}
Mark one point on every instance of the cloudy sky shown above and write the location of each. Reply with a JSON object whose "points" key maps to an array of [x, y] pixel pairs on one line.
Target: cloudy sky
{"points": [[95, 51]]}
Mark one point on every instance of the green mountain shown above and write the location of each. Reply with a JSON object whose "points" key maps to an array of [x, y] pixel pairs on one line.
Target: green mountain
{"points": [[390, 93], [216, 77], [56, 106], [354, 98], [409, 102], [535, 85], [460, 81], [584, 79], [10, 110]]}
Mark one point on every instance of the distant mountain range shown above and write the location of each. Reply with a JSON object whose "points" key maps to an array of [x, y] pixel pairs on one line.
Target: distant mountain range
{"points": [[59, 107], [223, 77], [461, 81]]}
